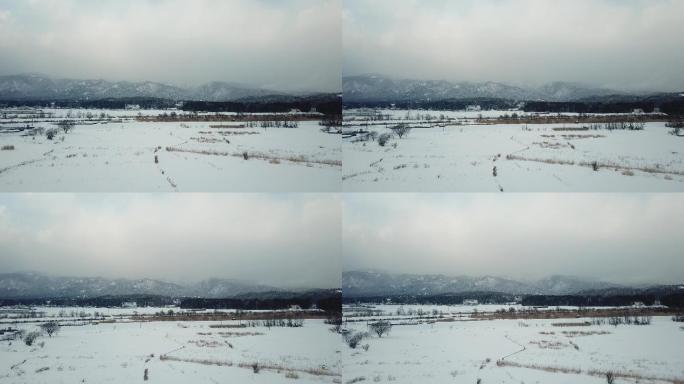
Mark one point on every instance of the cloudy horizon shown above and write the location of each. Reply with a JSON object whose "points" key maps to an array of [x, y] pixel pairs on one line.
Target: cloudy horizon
{"points": [[623, 45], [290, 46], [618, 238], [178, 238]]}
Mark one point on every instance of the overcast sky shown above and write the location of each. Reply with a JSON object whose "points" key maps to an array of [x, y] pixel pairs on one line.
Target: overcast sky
{"points": [[621, 44], [621, 238], [282, 45], [288, 240]]}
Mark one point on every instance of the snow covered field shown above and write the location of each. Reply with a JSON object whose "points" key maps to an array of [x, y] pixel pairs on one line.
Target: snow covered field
{"points": [[464, 155], [173, 352], [517, 351], [121, 153]]}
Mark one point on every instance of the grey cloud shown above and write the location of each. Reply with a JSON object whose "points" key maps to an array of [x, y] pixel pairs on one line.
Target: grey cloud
{"points": [[630, 45], [623, 238], [291, 45], [280, 240]]}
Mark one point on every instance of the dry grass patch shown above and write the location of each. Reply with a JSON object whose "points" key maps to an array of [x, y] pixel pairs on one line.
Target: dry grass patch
{"points": [[227, 126], [255, 366], [261, 156], [238, 334], [206, 343], [584, 333], [572, 324], [590, 372], [571, 129], [654, 169], [227, 326], [545, 344]]}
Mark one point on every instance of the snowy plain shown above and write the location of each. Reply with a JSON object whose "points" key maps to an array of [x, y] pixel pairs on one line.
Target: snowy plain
{"points": [[469, 350], [123, 153], [464, 155], [120, 350]]}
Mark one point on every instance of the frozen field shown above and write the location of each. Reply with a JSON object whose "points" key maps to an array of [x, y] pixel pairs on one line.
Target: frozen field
{"points": [[122, 153], [463, 155], [173, 352], [518, 351]]}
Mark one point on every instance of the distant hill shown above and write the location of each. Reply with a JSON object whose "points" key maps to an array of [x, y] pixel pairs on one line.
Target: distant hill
{"points": [[375, 283], [378, 88], [34, 285], [40, 87]]}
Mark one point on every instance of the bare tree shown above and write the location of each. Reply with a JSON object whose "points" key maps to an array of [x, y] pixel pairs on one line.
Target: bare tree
{"points": [[51, 327], [401, 130], [66, 125], [380, 328]]}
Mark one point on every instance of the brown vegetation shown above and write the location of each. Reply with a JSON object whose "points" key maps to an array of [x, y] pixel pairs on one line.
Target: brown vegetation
{"points": [[590, 372], [261, 156], [251, 365]]}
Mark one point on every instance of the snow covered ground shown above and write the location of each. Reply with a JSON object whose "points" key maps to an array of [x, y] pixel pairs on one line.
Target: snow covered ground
{"points": [[174, 352], [124, 154], [511, 157], [518, 351]]}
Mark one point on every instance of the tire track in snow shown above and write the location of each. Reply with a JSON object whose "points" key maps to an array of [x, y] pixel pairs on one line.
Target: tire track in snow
{"points": [[26, 162], [516, 352], [495, 171], [163, 172]]}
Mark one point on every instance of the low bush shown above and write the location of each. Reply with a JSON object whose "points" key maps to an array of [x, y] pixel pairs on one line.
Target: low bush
{"points": [[66, 125], [401, 130], [354, 338], [51, 133], [380, 328], [51, 327], [31, 337], [383, 139]]}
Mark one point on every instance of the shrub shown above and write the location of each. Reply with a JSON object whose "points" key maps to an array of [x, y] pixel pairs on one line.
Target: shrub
{"points": [[51, 327], [372, 135], [31, 337], [292, 375], [610, 378], [334, 319], [245, 155], [401, 130], [353, 338], [380, 328], [384, 139], [675, 124], [50, 133], [255, 367], [66, 125]]}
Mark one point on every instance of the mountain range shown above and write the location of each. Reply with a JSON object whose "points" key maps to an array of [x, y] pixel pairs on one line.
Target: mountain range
{"points": [[379, 88], [366, 283], [35, 285], [41, 87]]}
